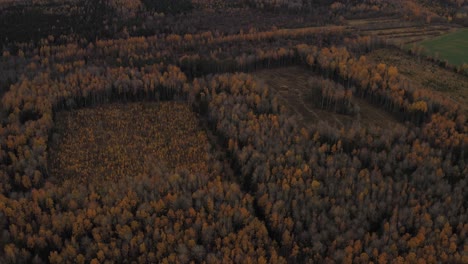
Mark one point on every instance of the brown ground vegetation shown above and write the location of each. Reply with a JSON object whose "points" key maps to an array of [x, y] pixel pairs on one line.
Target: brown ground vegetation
{"points": [[119, 140]]}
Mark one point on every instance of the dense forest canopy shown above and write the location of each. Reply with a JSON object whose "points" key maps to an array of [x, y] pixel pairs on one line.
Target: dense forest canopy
{"points": [[146, 131]]}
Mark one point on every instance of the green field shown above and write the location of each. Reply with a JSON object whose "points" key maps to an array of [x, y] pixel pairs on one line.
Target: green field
{"points": [[452, 47]]}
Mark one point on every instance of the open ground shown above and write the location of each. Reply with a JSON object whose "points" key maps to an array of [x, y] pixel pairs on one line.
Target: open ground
{"points": [[291, 85]]}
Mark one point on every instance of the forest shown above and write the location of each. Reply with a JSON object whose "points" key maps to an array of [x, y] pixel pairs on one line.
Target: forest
{"points": [[241, 131]]}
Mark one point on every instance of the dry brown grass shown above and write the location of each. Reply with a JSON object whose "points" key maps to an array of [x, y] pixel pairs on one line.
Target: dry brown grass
{"points": [[107, 142]]}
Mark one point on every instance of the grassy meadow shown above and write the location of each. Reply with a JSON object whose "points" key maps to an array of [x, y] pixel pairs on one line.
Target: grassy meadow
{"points": [[452, 47]]}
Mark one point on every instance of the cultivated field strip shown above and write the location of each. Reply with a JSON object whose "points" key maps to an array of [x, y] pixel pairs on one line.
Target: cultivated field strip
{"points": [[397, 30]]}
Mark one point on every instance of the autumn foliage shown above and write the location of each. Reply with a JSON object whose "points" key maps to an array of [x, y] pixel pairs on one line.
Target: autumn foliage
{"points": [[162, 148]]}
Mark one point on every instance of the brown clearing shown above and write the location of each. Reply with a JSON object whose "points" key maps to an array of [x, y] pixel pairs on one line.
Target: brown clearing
{"points": [[291, 85], [425, 74], [122, 140]]}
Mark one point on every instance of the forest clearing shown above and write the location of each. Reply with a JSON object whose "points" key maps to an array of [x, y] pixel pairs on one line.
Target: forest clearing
{"points": [[292, 87]]}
